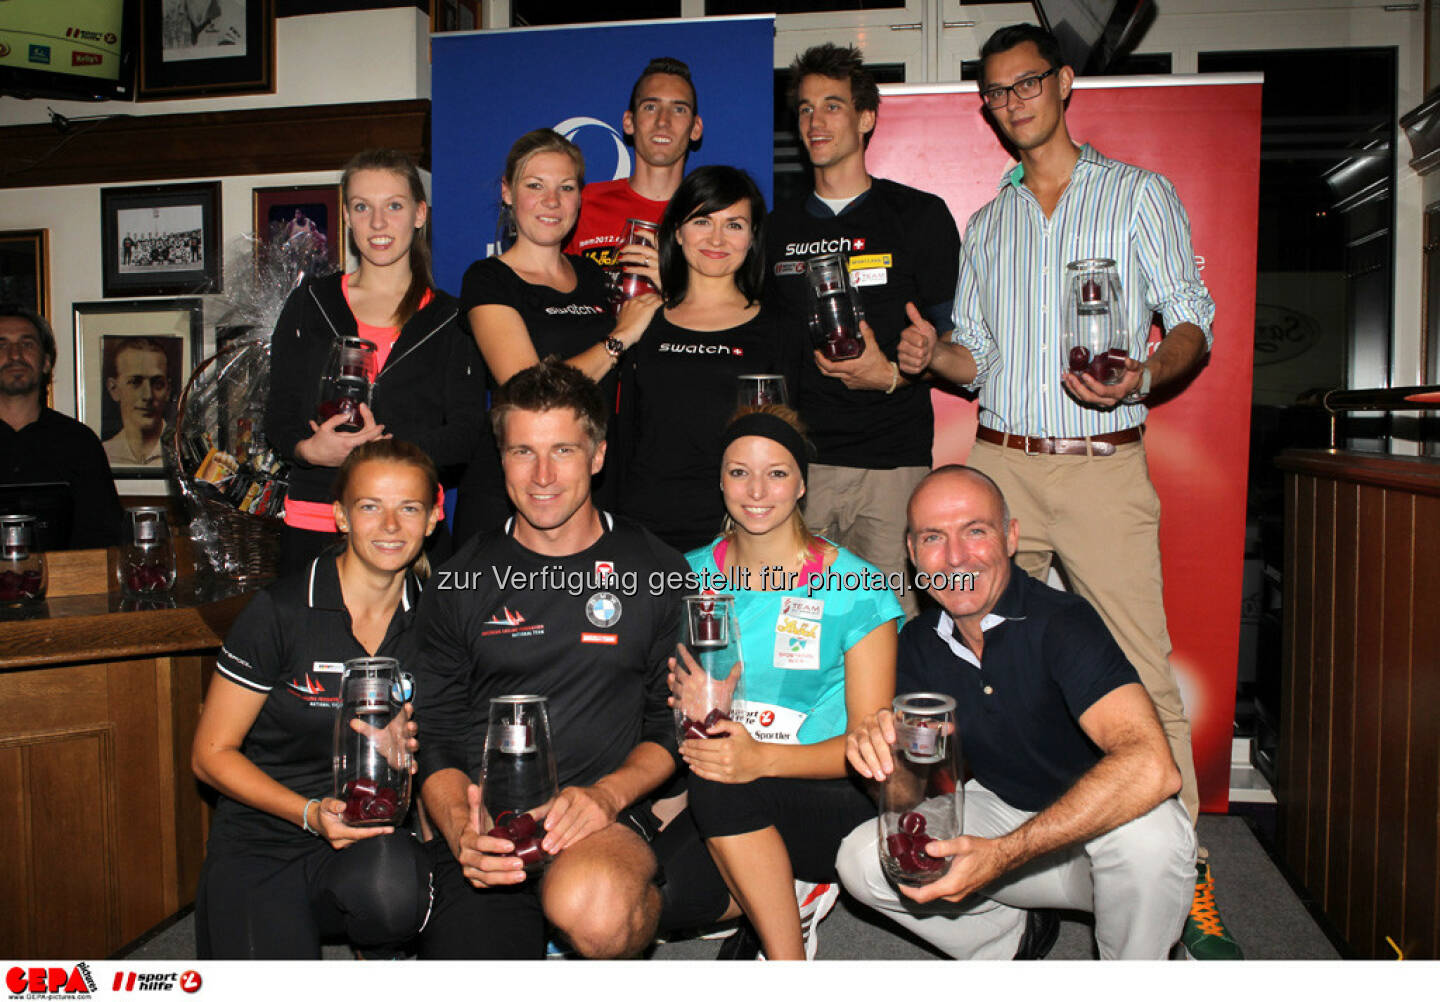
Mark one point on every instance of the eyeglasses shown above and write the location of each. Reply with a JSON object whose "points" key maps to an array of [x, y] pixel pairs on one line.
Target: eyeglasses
{"points": [[1025, 88]]}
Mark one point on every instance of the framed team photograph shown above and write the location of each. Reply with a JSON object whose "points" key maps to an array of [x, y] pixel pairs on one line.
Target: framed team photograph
{"points": [[303, 222], [193, 48], [24, 269], [160, 240], [132, 359]]}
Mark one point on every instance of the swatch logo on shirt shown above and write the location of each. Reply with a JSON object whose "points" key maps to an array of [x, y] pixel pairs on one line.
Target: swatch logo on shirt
{"points": [[835, 245], [575, 310], [701, 349]]}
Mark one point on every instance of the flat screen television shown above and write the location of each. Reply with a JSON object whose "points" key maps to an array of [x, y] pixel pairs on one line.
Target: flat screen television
{"points": [[80, 50], [1092, 33]]}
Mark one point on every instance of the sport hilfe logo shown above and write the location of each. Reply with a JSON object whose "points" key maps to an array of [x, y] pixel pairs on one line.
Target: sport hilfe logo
{"points": [[61, 981], [132, 981]]}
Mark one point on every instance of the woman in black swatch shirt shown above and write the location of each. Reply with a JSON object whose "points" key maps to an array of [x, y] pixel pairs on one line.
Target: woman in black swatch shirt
{"points": [[533, 300], [679, 386]]}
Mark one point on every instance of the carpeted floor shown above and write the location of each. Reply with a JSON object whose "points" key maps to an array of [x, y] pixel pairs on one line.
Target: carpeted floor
{"points": [[1256, 901]]}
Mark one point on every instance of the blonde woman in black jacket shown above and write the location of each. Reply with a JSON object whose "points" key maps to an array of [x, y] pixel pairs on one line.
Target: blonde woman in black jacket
{"points": [[431, 384]]}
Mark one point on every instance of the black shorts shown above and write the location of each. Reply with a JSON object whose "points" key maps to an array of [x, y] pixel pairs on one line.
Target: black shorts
{"points": [[811, 815], [496, 923]]}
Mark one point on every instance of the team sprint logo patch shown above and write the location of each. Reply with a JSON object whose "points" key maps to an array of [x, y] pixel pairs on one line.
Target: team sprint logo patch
{"points": [[603, 609]]}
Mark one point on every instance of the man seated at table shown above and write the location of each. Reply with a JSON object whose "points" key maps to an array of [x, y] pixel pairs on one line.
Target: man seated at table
{"points": [[39, 445], [567, 602], [1072, 804]]}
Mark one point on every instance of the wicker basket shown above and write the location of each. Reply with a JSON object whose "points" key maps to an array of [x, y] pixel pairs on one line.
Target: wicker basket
{"points": [[239, 545]]}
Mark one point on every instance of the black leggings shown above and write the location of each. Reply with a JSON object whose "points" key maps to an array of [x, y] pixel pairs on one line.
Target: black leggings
{"points": [[375, 893], [811, 815]]}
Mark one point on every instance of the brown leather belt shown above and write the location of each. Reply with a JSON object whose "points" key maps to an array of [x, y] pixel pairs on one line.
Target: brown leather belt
{"points": [[1095, 445]]}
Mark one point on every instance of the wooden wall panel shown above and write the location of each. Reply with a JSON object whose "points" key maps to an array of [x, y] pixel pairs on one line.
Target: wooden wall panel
{"points": [[1422, 855], [1359, 769], [75, 908], [132, 691], [1394, 684], [1365, 849], [188, 677], [1342, 691], [1322, 658], [16, 888], [1293, 793]]}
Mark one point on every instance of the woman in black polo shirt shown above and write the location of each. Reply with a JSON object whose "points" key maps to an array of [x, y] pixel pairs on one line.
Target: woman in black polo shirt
{"points": [[282, 869]]}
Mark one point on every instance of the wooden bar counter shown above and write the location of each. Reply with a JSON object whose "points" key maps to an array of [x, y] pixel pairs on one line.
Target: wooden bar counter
{"points": [[103, 825], [1359, 762]]}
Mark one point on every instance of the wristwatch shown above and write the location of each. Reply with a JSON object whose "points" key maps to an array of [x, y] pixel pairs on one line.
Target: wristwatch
{"points": [[1141, 391], [616, 347]]}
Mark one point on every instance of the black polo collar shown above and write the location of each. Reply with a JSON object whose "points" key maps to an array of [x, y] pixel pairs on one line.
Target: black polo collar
{"points": [[322, 589]]}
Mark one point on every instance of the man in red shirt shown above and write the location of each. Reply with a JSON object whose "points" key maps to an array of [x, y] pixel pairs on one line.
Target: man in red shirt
{"points": [[662, 121]]}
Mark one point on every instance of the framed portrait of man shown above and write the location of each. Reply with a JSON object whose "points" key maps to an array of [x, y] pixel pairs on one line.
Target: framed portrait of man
{"points": [[132, 359]]}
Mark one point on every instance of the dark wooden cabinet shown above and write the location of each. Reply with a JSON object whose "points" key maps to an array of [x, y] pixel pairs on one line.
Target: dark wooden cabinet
{"points": [[1359, 756], [104, 827]]}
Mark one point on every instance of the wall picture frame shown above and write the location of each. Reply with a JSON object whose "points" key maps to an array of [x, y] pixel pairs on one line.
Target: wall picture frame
{"points": [[196, 48], [25, 269], [307, 221], [132, 359], [161, 239]]}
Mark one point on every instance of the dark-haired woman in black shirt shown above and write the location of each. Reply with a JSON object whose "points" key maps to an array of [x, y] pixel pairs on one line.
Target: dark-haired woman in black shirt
{"points": [[679, 386]]}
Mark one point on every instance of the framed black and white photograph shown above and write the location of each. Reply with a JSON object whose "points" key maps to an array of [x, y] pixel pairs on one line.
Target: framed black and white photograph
{"points": [[160, 240], [131, 361], [304, 222], [24, 269], [192, 48]]}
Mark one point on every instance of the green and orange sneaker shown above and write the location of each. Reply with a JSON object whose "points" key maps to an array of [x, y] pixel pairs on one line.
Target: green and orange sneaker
{"points": [[1205, 937]]}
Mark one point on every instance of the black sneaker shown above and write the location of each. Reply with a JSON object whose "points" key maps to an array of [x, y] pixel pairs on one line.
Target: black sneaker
{"points": [[744, 945], [1042, 929]]}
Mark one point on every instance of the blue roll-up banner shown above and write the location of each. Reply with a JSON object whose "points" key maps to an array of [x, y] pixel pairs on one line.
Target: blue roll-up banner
{"points": [[488, 88]]}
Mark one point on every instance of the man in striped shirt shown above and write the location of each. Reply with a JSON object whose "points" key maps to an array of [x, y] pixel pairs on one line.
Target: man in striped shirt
{"points": [[1065, 447]]}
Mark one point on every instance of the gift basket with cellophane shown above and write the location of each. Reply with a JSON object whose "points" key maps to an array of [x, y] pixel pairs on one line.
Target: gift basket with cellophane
{"points": [[232, 481]]}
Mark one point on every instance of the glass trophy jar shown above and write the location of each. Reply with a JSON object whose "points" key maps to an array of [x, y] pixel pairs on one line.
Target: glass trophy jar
{"points": [[147, 557], [22, 565], [347, 381], [760, 390], [372, 762], [518, 783], [923, 799], [835, 310], [1095, 338], [708, 665], [626, 285]]}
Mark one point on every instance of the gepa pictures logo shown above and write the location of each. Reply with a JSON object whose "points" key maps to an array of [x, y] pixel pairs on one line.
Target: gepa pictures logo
{"points": [[50, 982]]}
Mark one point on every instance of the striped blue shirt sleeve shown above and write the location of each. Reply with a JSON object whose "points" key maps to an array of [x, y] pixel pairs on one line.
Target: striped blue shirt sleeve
{"points": [[969, 328], [1172, 281]]}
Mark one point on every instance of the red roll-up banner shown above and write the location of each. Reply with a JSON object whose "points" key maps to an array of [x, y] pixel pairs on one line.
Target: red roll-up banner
{"points": [[1203, 133]]}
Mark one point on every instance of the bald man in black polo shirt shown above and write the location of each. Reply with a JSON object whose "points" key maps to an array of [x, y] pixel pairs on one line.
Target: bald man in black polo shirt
{"points": [[1072, 804]]}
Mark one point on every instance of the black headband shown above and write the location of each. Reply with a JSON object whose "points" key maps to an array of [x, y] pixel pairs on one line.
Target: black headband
{"points": [[771, 427]]}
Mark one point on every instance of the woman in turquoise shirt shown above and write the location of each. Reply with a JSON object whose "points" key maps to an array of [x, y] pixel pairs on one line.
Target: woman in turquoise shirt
{"points": [[818, 637]]}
